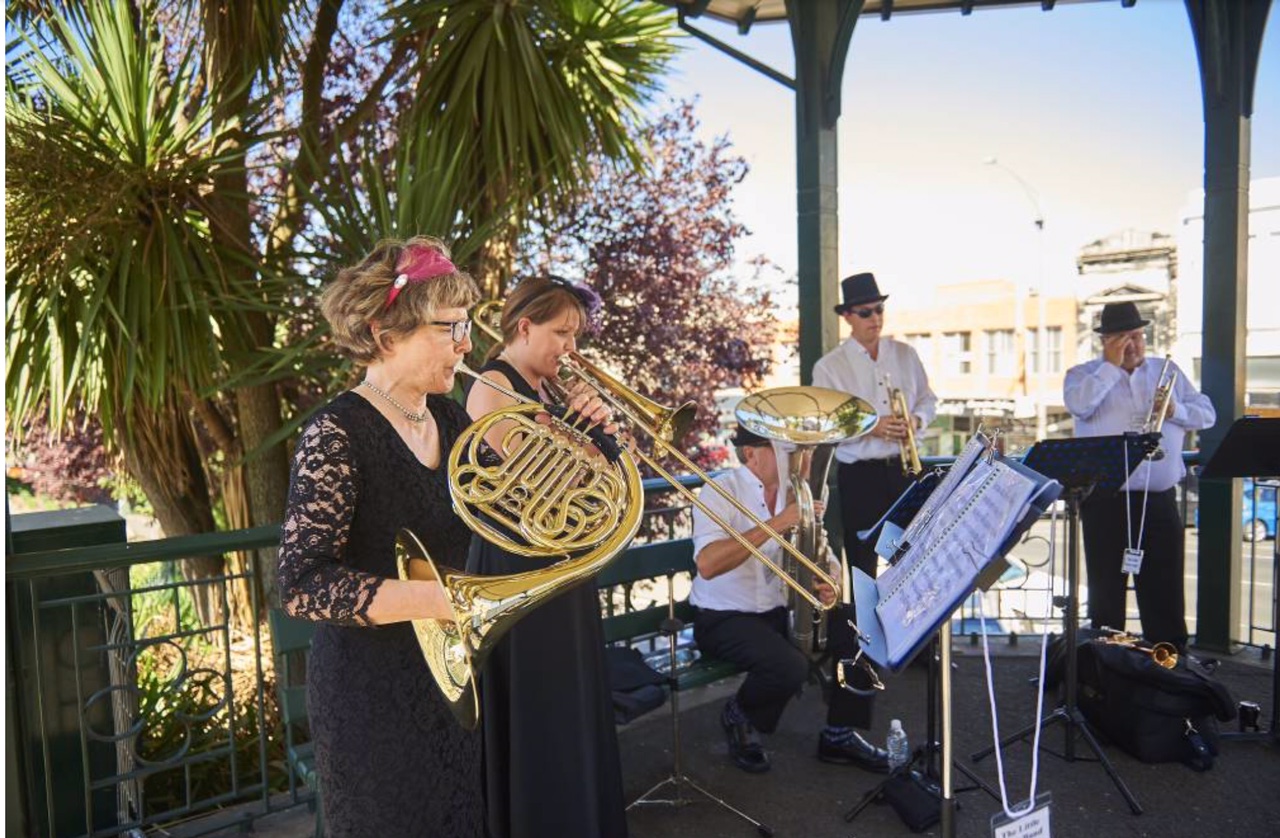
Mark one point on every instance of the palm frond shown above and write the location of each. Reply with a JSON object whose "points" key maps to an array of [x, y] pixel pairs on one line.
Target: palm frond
{"points": [[116, 294]]}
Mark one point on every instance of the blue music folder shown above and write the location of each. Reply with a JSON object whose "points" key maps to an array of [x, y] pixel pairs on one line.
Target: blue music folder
{"points": [[988, 508]]}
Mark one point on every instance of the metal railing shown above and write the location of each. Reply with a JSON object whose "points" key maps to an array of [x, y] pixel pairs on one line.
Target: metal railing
{"points": [[141, 704], [138, 700]]}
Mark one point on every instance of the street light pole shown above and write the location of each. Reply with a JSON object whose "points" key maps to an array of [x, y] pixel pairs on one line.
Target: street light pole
{"points": [[1041, 344]]}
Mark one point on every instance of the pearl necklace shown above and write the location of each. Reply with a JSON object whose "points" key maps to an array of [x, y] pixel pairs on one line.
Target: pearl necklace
{"points": [[409, 414]]}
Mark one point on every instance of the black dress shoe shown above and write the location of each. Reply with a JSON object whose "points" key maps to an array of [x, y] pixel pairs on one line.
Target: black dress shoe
{"points": [[744, 746], [853, 750]]}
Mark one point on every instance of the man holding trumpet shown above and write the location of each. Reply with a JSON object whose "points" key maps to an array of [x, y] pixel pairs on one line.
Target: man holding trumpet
{"points": [[871, 474], [1138, 529]]}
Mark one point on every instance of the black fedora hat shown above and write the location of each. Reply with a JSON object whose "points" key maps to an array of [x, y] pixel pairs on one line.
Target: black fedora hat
{"points": [[1119, 317], [858, 290], [743, 438]]}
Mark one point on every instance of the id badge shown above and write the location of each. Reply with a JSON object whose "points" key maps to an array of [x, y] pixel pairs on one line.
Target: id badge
{"points": [[1031, 824], [1132, 562]]}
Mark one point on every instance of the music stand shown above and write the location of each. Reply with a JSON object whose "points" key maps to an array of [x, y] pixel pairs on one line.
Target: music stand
{"points": [[1251, 448], [671, 627], [1082, 465], [927, 754]]}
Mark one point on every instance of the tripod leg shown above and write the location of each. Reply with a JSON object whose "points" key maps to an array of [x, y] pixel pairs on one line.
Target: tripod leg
{"points": [[1083, 727], [761, 828], [1058, 715], [867, 799]]}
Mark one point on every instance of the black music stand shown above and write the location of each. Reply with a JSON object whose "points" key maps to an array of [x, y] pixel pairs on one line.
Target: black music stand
{"points": [[1082, 465], [677, 779], [1251, 448], [929, 754]]}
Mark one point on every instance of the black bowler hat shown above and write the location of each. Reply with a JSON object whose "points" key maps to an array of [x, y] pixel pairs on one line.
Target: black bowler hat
{"points": [[743, 438], [859, 290], [1119, 317]]}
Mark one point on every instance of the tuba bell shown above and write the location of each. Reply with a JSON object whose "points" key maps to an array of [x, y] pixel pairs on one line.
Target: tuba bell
{"points": [[813, 421]]}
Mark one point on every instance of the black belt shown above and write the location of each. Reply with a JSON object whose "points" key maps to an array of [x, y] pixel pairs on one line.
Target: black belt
{"points": [[878, 461]]}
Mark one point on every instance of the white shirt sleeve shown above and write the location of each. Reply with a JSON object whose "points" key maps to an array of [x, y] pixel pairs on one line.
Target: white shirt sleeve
{"points": [[1191, 408], [1085, 386], [926, 403], [705, 530]]}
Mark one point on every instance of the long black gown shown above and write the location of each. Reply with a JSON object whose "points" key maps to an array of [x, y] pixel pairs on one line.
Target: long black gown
{"points": [[392, 760], [550, 745]]}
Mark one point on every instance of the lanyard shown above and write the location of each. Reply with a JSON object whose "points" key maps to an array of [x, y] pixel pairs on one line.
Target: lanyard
{"points": [[1030, 802]]}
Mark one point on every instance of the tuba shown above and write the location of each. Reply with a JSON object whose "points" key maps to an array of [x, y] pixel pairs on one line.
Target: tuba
{"points": [[910, 454], [1160, 403], [814, 420]]}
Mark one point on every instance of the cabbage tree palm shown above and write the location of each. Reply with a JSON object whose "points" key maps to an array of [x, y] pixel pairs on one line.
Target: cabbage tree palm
{"points": [[175, 169]]}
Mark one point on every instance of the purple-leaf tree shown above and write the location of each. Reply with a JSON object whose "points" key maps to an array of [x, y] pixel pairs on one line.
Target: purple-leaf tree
{"points": [[680, 320]]}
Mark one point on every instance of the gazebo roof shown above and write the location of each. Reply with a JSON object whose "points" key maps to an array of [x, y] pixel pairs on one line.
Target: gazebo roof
{"points": [[745, 13]]}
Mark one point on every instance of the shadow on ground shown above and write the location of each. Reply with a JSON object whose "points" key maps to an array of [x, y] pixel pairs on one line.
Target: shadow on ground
{"points": [[804, 797]]}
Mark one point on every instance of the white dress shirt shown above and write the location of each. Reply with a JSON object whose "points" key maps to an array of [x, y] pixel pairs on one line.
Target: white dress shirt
{"points": [[1105, 400], [850, 369], [750, 586]]}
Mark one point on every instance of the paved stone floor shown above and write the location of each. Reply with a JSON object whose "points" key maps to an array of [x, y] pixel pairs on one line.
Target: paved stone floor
{"points": [[801, 796]]}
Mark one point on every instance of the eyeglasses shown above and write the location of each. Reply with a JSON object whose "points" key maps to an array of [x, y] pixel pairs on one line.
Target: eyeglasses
{"points": [[458, 329], [864, 313]]}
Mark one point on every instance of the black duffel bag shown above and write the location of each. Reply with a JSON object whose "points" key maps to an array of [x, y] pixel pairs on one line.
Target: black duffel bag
{"points": [[1153, 713]]}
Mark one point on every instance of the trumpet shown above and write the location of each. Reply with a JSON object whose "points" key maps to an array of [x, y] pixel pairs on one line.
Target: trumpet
{"points": [[907, 449], [1164, 654], [1160, 403]]}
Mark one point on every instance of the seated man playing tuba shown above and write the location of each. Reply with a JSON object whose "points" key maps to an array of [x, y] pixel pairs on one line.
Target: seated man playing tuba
{"points": [[742, 617]]}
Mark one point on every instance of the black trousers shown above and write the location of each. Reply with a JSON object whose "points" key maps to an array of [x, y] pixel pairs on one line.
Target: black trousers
{"points": [[1159, 585], [776, 669], [867, 489]]}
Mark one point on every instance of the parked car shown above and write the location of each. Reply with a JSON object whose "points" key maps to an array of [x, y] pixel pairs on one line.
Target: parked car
{"points": [[1257, 508]]}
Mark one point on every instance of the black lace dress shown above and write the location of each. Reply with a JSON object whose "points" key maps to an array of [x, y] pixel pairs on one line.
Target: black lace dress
{"points": [[392, 760], [550, 745]]}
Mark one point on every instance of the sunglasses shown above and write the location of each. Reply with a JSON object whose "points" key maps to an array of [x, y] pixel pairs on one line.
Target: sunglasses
{"points": [[458, 329], [864, 313]]}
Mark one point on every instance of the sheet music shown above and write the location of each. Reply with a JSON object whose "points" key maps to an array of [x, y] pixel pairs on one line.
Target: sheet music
{"points": [[974, 448], [950, 551]]}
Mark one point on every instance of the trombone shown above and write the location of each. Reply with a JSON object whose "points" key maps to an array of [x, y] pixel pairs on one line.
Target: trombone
{"points": [[665, 427]]}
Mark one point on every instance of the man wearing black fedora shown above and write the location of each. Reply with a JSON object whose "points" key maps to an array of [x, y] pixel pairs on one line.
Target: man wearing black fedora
{"points": [[868, 366], [1111, 395]]}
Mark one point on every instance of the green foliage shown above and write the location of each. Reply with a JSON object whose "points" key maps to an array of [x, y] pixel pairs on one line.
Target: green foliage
{"points": [[531, 90], [110, 158]]}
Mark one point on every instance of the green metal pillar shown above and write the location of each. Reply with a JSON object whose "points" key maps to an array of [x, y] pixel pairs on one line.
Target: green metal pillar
{"points": [[820, 34], [1228, 36]]}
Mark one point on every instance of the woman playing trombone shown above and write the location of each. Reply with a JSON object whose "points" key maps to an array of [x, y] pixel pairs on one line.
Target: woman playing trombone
{"points": [[550, 746]]}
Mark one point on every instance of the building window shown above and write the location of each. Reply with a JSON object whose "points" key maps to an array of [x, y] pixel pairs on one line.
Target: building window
{"points": [[1052, 348], [1000, 354], [959, 354], [922, 343]]}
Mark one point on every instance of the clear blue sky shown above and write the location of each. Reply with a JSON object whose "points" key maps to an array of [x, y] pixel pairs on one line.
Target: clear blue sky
{"points": [[1096, 107]]}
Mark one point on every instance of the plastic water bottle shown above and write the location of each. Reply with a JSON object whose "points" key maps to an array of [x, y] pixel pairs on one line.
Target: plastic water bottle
{"points": [[896, 745]]}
